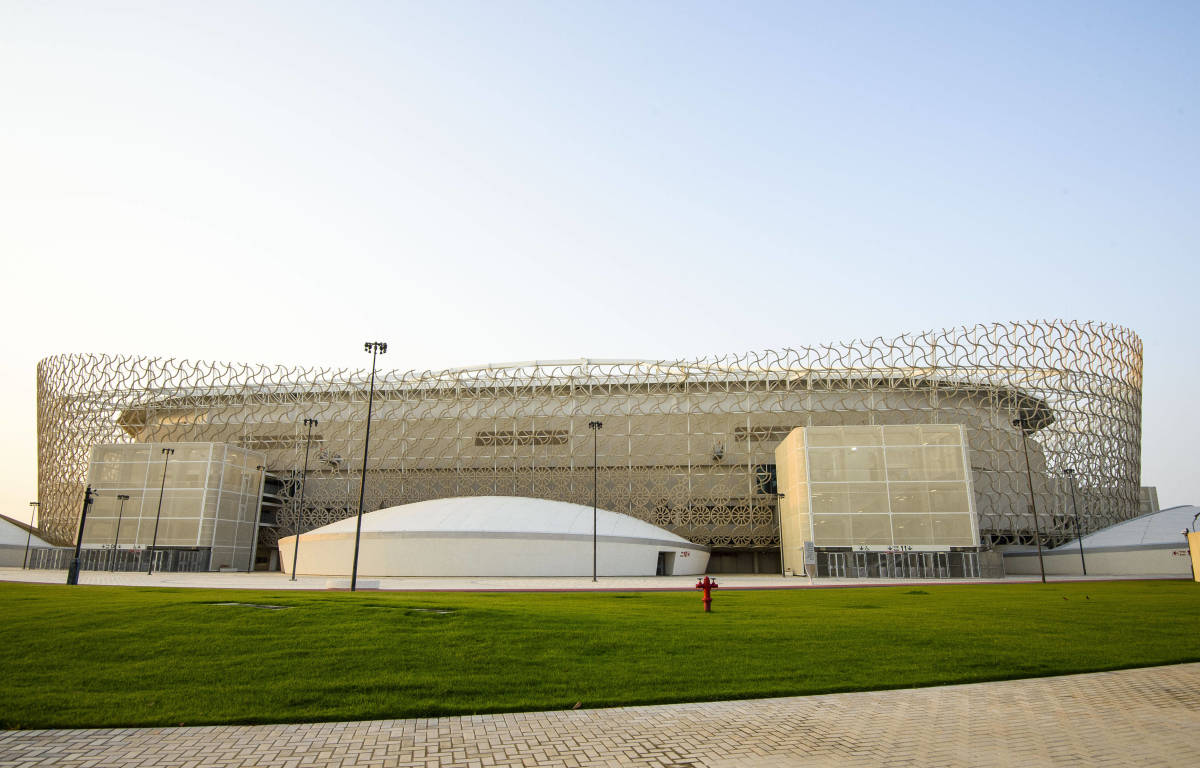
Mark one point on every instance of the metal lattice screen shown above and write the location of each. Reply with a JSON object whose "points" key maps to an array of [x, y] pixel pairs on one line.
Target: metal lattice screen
{"points": [[686, 444]]}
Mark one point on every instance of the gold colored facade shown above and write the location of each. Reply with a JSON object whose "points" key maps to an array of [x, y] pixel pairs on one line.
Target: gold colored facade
{"points": [[686, 444]]}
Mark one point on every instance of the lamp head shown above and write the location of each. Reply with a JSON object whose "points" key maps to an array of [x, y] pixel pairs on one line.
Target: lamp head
{"points": [[1069, 472], [595, 424], [310, 422], [122, 497], [168, 451]]}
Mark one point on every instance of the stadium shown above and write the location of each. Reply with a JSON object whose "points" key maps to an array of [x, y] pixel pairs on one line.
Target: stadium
{"points": [[690, 446]]}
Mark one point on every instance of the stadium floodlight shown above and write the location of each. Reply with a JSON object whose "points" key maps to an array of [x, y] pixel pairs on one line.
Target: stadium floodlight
{"points": [[1070, 473], [73, 571], [1023, 428], [166, 454], [310, 423], [375, 348], [117, 536], [779, 523], [595, 427], [262, 484], [33, 508]]}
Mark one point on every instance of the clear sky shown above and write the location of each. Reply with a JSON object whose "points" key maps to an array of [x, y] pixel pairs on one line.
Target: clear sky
{"points": [[493, 181]]}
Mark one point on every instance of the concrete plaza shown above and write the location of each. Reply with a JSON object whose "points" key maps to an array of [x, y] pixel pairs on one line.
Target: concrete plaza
{"points": [[1144, 717]]}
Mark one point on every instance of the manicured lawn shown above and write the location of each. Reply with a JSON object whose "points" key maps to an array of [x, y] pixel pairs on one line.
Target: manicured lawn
{"points": [[109, 656]]}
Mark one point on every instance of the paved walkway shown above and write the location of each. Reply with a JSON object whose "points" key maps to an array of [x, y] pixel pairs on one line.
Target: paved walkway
{"points": [[1143, 717], [277, 580]]}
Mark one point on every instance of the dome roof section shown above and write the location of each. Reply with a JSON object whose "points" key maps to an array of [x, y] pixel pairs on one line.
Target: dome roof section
{"points": [[15, 533], [504, 514], [1156, 529]]}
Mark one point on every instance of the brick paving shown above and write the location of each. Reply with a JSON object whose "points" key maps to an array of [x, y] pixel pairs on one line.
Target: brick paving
{"points": [[1144, 717]]}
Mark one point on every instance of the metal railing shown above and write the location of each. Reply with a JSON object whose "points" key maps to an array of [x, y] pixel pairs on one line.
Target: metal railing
{"points": [[176, 560]]}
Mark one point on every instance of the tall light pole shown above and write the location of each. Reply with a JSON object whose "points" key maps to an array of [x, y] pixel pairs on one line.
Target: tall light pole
{"points": [[310, 423], [1188, 541], [595, 427], [1021, 425], [1070, 473], [262, 484], [33, 508], [375, 348], [73, 571], [166, 454], [779, 522], [117, 536]]}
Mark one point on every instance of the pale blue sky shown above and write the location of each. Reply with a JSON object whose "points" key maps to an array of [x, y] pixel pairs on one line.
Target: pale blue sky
{"points": [[498, 181]]}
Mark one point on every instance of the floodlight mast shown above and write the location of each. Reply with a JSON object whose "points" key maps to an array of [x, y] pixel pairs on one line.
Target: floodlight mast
{"points": [[117, 536], [1022, 425], [73, 571], [1070, 473], [1188, 540], [595, 426], [33, 509], [262, 487], [375, 348], [166, 454], [310, 423]]}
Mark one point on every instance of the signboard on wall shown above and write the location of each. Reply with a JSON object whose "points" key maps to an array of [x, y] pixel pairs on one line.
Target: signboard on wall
{"points": [[810, 553], [900, 548]]}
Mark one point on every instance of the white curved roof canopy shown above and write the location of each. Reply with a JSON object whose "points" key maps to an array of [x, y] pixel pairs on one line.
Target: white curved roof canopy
{"points": [[506, 514], [15, 533], [1161, 529], [495, 536]]}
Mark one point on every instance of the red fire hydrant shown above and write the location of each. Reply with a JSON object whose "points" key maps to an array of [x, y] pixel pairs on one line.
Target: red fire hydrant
{"points": [[708, 585]]}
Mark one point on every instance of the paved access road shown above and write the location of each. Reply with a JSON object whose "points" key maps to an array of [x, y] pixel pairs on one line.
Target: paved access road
{"points": [[1143, 717]]}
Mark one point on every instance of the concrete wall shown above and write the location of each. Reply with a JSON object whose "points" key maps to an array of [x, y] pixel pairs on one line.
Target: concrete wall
{"points": [[488, 554], [1172, 561], [12, 556]]}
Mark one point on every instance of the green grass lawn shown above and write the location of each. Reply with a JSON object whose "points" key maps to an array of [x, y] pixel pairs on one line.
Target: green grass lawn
{"points": [[119, 656]]}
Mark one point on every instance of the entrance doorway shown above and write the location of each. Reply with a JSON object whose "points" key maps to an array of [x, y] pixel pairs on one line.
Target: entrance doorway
{"points": [[666, 564]]}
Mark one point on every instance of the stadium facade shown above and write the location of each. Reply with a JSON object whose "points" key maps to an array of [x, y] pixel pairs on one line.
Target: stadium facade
{"points": [[688, 445]]}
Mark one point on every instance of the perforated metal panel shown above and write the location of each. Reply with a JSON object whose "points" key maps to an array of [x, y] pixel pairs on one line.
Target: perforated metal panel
{"points": [[686, 444]]}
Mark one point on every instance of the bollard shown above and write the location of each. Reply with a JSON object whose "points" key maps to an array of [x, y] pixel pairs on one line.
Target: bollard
{"points": [[707, 585]]}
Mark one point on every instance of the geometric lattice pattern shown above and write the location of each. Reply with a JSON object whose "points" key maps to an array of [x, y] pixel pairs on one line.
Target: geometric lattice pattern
{"points": [[686, 444]]}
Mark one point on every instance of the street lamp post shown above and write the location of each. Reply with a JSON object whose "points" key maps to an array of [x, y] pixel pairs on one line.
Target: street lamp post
{"points": [[595, 427], [310, 423], [1070, 473], [73, 571], [117, 536], [262, 484], [375, 348], [1021, 425], [166, 454], [1188, 541], [33, 508], [779, 523]]}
